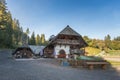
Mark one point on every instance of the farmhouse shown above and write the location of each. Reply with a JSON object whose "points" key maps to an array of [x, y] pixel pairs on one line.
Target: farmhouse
{"points": [[64, 44]]}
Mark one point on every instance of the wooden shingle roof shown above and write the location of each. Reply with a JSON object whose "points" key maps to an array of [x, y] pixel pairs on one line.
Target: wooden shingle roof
{"points": [[69, 31]]}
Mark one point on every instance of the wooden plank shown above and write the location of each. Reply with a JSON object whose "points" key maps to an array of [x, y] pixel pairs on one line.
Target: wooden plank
{"points": [[91, 65], [96, 63]]}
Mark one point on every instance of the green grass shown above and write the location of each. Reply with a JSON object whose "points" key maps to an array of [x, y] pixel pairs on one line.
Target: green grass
{"points": [[113, 53], [92, 51], [114, 63]]}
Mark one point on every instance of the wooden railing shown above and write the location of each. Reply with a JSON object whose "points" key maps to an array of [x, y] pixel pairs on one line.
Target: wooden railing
{"points": [[62, 41]]}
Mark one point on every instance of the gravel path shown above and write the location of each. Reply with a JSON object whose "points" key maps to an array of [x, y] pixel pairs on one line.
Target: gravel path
{"points": [[45, 69]]}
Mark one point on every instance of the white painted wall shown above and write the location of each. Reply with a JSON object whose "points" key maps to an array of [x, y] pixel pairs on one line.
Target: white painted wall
{"points": [[66, 48]]}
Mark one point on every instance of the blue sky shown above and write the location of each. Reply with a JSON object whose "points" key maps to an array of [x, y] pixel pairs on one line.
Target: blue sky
{"points": [[93, 18]]}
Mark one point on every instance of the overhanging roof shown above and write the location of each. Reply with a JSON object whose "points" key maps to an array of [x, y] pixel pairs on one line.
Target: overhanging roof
{"points": [[68, 31]]}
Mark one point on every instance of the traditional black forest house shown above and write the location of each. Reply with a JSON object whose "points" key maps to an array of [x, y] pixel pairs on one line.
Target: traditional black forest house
{"points": [[67, 42]]}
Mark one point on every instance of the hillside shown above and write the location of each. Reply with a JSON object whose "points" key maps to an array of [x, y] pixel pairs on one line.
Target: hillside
{"points": [[95, 51], [92, 51]]}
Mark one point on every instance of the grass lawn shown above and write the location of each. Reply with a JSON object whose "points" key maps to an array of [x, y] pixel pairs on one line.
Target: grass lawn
{"points": [[114, 63], [95, 51], [92, 51], [113, 53]]}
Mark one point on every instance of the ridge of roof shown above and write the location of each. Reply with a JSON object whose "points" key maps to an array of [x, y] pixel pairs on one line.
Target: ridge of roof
{"points": [[69, 31]]}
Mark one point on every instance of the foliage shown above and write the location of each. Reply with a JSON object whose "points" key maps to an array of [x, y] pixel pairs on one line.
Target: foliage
{"points": [[88, 40], [106, 44], [17, 32], [12, 35], [92, 51], [117, 38], [111, 47], [38, 40], [95, 43], [51, 37], [42, 38], [115, 45], [113, 53], [6, 23], [107, 41], [27, 31], [32, 40]]}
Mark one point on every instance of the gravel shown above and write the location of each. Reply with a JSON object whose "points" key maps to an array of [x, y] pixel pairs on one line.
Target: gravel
{"points": [[48, 69]]}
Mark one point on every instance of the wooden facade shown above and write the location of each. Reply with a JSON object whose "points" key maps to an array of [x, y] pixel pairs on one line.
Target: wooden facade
{"points": [[66, 42]]}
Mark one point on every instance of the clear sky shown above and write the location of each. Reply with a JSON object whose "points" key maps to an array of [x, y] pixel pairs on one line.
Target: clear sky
{"points": [[93, 18]]}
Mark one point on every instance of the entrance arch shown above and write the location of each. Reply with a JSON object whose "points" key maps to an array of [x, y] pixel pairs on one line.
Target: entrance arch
{"points": [[62, 54]]}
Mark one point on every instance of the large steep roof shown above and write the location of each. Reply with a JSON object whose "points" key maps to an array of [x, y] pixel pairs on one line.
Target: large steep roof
{"points": [[69, 31]]}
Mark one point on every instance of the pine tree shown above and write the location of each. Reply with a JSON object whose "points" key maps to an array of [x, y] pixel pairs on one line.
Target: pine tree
{"points": [[5, 26], [42, 38], [27, 31], [3, 14], [117, 38], [38, 41], [9, 30], [32, 39], [27, 35], [17, 32], [107, 41]]}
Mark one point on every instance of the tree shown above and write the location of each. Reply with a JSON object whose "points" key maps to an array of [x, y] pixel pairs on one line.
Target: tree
{"points": [[2, 22], [17, 33], [38, 40], [51, 37], [32, 39], [9, 30], [107, 41], [3, 14], [27, 35], [3, 2], [117, 38], [42, 38], [24, 39], [88, 40], [6, 24], [27, 31]]}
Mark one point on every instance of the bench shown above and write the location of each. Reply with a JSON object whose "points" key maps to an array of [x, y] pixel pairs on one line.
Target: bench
{"points": [[91, 65]]}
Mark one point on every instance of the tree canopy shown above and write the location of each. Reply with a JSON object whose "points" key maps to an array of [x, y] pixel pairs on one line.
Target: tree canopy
{"points": [[12, 34]]}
